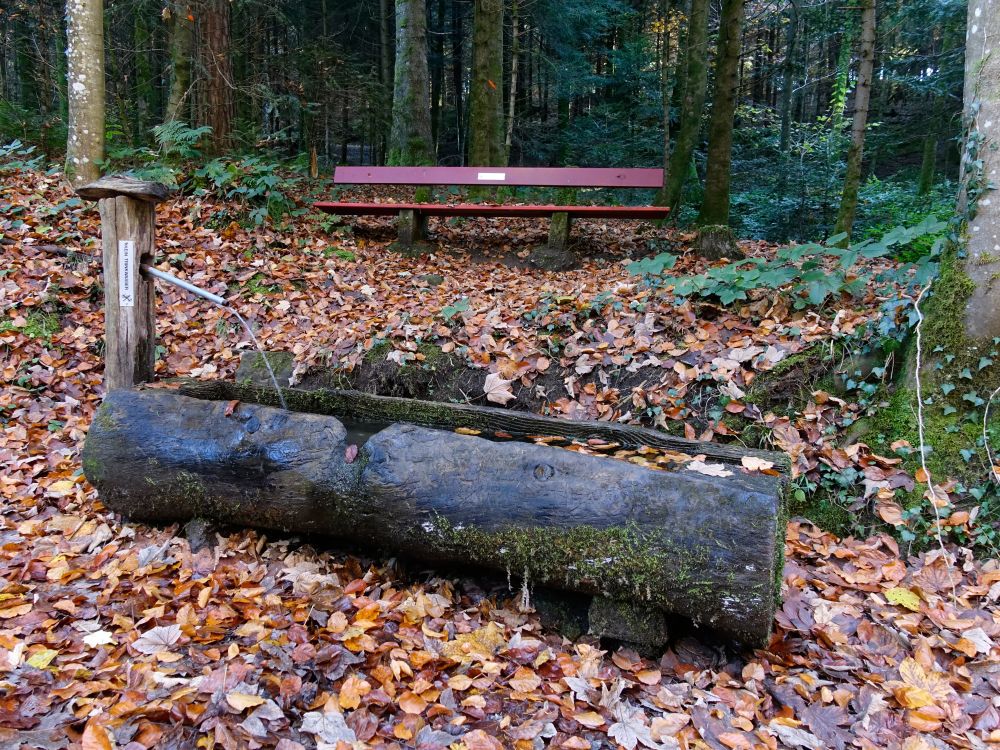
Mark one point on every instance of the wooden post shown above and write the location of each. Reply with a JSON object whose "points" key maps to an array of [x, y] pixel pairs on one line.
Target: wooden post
{"points": [[559, 231], [128, 236], [412, 227]]}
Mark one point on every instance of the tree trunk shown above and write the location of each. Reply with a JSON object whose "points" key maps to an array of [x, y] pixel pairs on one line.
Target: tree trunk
{"points": [[788, 78], [668, 77], [862, 95], [410, 140], [980, 167], [928, 165], [437, 75], [217, 60], [954, 344], [85, 75], [515, 55], [181, 29], [692, 103], [385, 41], [715, 207], [486, 118], [457, 78], [708, 548]]}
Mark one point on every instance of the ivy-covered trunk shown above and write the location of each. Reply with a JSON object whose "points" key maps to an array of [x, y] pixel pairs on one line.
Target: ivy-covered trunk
{"points": [[85, 55], [715, 207], [410, 141], [959, 366], [694, 83], [486, 135], [862, 95]]}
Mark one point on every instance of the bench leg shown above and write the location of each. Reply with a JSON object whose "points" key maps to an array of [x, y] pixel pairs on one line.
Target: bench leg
{"points": [[412, 227], [559, 232]]}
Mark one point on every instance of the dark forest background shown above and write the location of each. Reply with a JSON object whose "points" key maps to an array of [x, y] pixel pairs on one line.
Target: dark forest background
{"points": [[594, 83]]}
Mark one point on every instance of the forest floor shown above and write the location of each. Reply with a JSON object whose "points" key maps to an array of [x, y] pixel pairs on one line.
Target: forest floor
{"points": [[115, 634]]}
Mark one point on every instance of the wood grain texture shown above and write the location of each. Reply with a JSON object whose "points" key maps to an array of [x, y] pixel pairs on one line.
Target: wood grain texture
{"points": [[707, 548], [114, 186], [130, 332]]}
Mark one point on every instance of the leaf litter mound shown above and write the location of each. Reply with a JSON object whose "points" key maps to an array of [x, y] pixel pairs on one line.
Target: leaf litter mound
{"points": [[119, 635]]}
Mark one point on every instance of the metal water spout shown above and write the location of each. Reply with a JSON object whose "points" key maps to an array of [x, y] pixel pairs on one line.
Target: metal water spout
{"points": [[224, 305]]}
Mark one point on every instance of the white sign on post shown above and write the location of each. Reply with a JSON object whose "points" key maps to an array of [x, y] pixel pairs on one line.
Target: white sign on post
{"points": [[126, 271], [492, 176]]}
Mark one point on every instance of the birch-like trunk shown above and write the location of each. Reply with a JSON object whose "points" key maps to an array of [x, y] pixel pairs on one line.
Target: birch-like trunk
{"points": [[85, 78], [981, 167], [862, 96]]}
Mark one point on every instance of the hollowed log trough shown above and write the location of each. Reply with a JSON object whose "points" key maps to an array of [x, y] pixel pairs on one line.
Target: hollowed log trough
{"points": [[705, 547]]}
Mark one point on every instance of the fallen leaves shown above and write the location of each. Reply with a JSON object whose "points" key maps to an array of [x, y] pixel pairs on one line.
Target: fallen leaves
{"points": [[121, 630], [157, 639], [920, 687], [710, 470], [497, 389], [904, 598]]}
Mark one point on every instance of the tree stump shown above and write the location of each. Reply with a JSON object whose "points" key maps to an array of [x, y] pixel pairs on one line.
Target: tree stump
{"points": [[717, 242]]}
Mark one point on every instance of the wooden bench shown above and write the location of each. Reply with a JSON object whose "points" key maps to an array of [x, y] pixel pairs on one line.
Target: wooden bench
{"points": [[413, 216]]}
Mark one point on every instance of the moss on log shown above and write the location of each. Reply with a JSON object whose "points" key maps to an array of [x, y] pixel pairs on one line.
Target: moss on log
{"points": [[707, 548]]}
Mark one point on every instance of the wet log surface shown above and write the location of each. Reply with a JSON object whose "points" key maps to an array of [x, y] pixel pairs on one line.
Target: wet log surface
{"points": [[707, 548], [360, 406]]}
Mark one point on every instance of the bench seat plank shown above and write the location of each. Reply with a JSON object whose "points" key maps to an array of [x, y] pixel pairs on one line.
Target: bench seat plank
{"points": [[481, 209], [589, 177]]}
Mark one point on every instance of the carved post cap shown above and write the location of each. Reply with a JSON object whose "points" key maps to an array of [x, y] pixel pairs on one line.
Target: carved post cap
{"points": [[116, 185]]}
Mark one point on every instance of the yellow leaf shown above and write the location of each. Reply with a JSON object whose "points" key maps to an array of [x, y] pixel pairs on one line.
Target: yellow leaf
{"points": [[62, 487], [16, 611], [95, 737], [649, 676], [42, 659], [353, 690], [922, 688], [752, 463], [904, 598], [590, 719], [480, 644], [243, 701], [411, 702], [460, 682], [525, 680]]}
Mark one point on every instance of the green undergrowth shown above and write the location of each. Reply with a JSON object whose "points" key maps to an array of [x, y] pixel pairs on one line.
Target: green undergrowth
{"points": [[957, 377], [40, 325]]}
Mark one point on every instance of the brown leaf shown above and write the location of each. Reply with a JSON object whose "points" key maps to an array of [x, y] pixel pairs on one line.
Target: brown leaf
{"points": [[95, 736]]}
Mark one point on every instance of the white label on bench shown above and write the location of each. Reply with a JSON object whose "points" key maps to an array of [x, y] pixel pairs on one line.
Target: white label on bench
{"points": [[126, 269], [492, 175]]}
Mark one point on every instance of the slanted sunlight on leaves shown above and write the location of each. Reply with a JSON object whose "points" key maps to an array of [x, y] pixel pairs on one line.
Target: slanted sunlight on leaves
{"points": [[116, 634]]}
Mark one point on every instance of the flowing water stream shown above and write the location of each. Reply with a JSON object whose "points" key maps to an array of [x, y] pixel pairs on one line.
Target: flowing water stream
{"points": [[221, 303]]}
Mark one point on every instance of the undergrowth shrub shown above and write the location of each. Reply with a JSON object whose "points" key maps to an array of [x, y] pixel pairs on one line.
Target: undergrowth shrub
{"points": [[258, 187]]}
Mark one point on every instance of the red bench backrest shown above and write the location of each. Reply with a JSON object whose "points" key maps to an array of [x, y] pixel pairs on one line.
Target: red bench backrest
{"points": [[523, 176]]}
